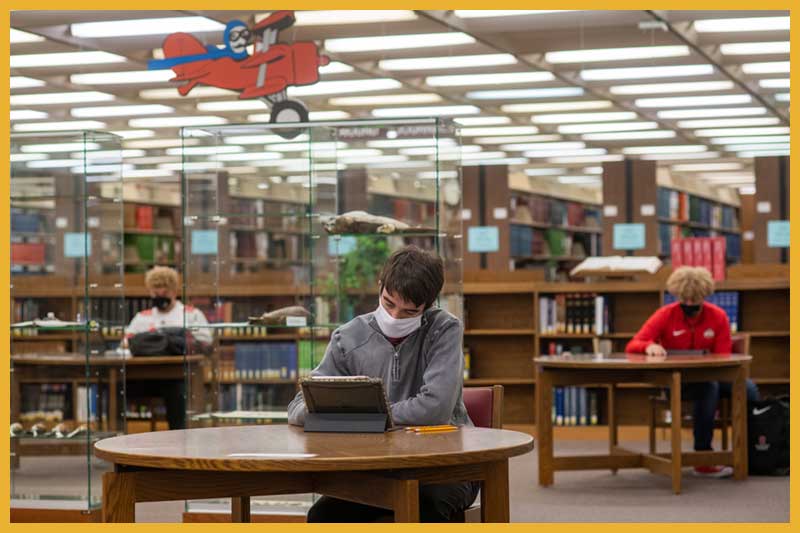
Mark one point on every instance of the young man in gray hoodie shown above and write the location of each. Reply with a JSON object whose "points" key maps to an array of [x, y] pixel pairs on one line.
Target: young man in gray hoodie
{"points": [[416, 349]]}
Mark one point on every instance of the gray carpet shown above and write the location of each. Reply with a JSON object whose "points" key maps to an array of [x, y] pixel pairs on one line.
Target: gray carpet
{"points": [[590, 496]]}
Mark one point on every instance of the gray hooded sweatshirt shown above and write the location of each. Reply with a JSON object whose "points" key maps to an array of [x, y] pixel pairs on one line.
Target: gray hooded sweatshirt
{"points": [[423, 375]]}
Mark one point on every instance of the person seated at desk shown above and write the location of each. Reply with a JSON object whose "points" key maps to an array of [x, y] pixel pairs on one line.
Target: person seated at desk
{"points": [[691, 323], [168, 311], [416, 349]]}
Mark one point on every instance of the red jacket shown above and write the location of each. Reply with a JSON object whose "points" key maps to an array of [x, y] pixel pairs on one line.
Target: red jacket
{"points": [[710, 330]]}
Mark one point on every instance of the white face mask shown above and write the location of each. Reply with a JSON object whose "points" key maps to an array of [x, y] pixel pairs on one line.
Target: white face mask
{"points": [[396, 327]]}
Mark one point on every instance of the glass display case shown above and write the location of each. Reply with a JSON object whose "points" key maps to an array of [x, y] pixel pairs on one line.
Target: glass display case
{"points": [[67, 315], [285, 231]]}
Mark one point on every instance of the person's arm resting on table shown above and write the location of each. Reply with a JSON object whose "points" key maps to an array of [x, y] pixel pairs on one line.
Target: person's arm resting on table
{"points": [[646, 339]]}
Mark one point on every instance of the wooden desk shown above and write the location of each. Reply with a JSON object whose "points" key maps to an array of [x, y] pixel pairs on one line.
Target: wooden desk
{"points": [[668, 372], [384, 470], [72, 367]]}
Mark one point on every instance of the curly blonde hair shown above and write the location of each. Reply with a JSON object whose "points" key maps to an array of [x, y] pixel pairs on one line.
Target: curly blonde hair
{"points": [[691, 283], [161, 277]]}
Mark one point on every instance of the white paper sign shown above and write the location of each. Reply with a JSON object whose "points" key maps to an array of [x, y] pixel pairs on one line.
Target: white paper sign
{"points": [[466, 214], [61, 222], [296, 321], [748, 236], [648, 210], [93, 222], [610, 211], [764, 207], [500, 213]]}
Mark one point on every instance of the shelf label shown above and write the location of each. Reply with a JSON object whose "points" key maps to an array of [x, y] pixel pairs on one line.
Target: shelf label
{"points": [[296, 321], [647, 210], [61, 222], [748, 236], [764, 207], [204, 242], [93, 222], [77, 245], [483, 239], [610, 211], [500, 213], [466, 214], [628, 236], [778, 233]]}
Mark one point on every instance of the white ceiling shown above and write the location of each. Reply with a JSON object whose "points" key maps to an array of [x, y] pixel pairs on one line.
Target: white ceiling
{"points": [[527, 39]]}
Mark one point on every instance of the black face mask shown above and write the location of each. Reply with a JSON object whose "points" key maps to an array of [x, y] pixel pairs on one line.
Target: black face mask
{"points": [[162, 302], [690, 310]]}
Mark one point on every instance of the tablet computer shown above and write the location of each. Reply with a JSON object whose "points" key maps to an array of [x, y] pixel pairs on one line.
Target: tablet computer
{"points": [[346, 404], [686, 352]]}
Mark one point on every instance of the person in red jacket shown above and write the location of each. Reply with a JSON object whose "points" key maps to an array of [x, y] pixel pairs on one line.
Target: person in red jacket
{"points": [[691, 323]]}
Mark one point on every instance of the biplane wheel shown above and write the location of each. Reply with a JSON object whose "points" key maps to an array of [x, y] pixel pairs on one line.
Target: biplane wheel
{"points": [[288, 111]]}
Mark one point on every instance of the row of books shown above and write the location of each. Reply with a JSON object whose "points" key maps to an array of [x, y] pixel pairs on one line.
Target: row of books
{"points": [[727, 300], [262, 360], [707, 252], [677, 205], [46, 397], [574, 313], [148, 218], [541, 209], [254, 397], [412, 212], [575, 406], [90, 404], [263, 245], [22, 222], [151, 249]]}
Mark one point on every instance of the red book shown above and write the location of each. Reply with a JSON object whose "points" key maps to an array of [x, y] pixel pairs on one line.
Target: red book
{"points": [[718, 246], [144, 217], [707, 262], [688, 252], [27, 253], [697, 252], [676, 252]]}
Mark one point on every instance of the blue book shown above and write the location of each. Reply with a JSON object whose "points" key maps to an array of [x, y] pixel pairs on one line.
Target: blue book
{"points": [[559, 406], [583, 407]]}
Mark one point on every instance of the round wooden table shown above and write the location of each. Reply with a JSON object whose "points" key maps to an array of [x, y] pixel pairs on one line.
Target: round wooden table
{"points": [[669, 372], [384, 470]]}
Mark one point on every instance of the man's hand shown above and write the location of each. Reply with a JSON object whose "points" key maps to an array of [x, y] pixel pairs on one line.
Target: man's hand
{"points": [[655, 350]]}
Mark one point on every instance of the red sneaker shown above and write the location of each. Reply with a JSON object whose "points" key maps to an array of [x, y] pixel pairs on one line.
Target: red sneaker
{"points": [[717, 471]]}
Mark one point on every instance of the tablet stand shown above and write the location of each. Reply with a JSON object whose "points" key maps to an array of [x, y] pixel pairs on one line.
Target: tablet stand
{"points": [[346, 422]]}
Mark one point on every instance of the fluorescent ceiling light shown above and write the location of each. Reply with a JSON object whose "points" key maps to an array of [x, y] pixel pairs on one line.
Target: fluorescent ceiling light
{"points": [[196, 165], [538, 154], [325, 18], [756, 147], [75, 125], [694, 101], [21, 158], [757, 139], [727, 122], [19, 36], [498, 161], [53, 163], [782, 97], [147, 173], [405, 143], [468, 80], [487, 13], [335, 67], [766, 153], [680, 156], [122, 78], [161, 143], [681, 87], [646, 72], [771, 67], [58, 147], [176, 122], [427, 111], [561, 118], [673, 114], [579, 180], [742, 24], [732, 179], [232, 105], [112, 156], [133, 134], [385, 99], [173, 94], [206, 150], [154, 26], [615, 54], [27, 114], [249, 156], [726, 175], [501, 130], [744, 49], [521, 147], [571, 129], [593, 170], [63, 59], [447, 62], [719, 132], [397, 42], [482, 121], [261, 139], [431, 150], [373, 159], [442, 174], [60, 98], [700, 167], [154, 160], [585, 159], [668, 149], [516, 138], [358, 152], [477, 155], [121, 110], [778, 83], [317, 115], [512, 94], [544, 171], [629, 135], [328, 147], [24, 82], [345, 86], [557, 106]]}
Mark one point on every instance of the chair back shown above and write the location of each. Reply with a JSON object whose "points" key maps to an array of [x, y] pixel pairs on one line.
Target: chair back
{"points": [[740, 343], [485, 406]]}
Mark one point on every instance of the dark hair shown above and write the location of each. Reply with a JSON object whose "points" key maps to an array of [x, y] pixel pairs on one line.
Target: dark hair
{"points": [[414, 274]]}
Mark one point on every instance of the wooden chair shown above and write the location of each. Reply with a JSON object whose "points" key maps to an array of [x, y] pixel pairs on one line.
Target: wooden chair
{"points": [[658, 404], [485, 409]]}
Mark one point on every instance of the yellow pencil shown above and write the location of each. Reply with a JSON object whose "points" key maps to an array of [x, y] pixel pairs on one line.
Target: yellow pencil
{"points": [[416, 428], [435, 430]]}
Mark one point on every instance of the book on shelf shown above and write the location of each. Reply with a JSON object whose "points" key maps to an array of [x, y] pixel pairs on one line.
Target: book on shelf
{"points": [[574, 406], [574, 313], [707, 252], [254, 361]]}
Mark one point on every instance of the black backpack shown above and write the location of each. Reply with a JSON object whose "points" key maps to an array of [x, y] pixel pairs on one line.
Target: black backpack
{"points": [[768, 437], [164, 341]]}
